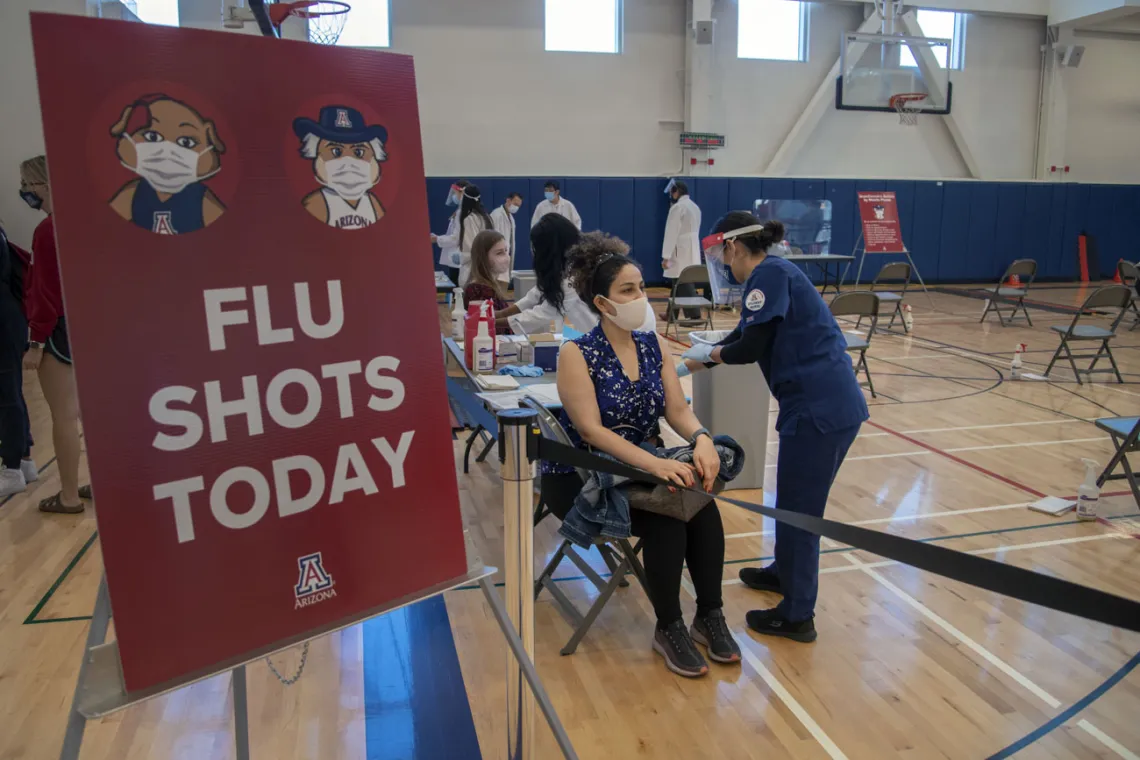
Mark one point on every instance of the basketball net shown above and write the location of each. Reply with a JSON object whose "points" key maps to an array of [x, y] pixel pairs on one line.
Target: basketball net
{"points": [[908, 106], [325, 18]]}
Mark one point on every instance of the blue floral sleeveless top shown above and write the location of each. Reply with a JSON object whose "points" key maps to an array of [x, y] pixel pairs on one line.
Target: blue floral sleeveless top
{"points": [[631, 409]]}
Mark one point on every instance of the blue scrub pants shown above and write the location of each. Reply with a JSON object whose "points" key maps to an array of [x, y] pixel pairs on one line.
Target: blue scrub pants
{"points": [[805, 469]]}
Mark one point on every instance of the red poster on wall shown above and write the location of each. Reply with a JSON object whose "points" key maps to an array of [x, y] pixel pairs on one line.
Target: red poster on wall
{"points": [[880, 214], [242, 233]]}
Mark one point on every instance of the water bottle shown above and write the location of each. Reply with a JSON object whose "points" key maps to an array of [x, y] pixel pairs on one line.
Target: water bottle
{"points": [[1088, 495]]}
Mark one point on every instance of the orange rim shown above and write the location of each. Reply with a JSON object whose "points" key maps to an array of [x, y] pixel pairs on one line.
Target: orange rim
{"points": [[278, 12]]}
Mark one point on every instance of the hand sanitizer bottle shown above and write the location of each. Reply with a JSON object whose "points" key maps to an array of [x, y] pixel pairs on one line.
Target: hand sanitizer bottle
{"points": [[457, 314], [483, 346]]}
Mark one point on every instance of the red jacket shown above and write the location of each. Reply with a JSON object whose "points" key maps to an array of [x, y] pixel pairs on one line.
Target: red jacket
{"points": [[43, 295]]}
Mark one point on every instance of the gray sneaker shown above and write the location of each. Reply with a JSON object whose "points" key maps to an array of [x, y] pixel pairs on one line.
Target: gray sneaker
{"points": [[681, 655], [712, 632]]}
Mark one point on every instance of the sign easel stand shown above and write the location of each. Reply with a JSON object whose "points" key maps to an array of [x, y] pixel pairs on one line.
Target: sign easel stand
{"points": [[99, 688], [860, 249]]}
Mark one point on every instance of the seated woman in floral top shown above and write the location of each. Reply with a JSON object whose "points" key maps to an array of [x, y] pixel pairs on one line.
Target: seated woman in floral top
{"points": [[490, 258]]}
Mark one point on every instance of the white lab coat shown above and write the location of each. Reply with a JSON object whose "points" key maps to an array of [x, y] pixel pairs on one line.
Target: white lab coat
{"points": [[564, 208], [472, 226], [682, 246], [504, 222], [448, 243], [536, 317]]}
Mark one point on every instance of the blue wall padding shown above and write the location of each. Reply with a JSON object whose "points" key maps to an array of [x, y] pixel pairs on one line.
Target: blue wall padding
{"points": [[960, 231]]}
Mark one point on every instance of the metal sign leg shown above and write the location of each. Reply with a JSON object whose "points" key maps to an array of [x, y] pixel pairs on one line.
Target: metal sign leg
{"points": [[96, 635], [914, 269], [241, 713]]}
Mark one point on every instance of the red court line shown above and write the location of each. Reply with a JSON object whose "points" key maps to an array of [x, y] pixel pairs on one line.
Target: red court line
{"points": [[674, 340], [959, 460]]}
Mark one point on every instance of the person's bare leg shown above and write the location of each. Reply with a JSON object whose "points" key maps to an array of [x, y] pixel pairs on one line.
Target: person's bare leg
{"points": [[58, 382]]}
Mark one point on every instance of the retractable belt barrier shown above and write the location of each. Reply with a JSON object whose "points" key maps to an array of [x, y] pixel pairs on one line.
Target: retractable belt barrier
{"points": [[987, 574]]}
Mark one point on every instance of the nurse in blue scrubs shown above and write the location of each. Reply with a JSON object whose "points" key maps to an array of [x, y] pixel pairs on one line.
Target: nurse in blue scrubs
{"points": [[786, 328]]}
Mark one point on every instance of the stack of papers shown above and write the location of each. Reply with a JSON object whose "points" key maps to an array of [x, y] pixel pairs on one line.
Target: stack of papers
{"points": [[497, 382]]}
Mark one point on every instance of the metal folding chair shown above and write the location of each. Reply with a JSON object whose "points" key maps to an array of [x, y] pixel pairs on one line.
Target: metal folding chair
{"points": [[1125, 432], [893, 272], [1026, 269], [696, 275], [1130, 278], [620, 555], [858, 303], [1108, 297]]}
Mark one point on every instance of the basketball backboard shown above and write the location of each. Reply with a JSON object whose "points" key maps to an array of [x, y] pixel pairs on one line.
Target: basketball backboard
{"points": [[875, 67]]}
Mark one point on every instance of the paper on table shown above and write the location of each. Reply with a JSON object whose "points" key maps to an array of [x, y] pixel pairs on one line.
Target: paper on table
{"points": [[503, 399], [497, 382], [544, 393]]}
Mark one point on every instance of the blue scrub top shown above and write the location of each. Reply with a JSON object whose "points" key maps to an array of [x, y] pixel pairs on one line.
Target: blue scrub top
{"points": [[807, 366]]}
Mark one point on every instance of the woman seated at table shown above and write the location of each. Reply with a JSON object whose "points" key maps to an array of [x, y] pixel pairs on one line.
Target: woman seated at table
{"points": [[615, 384], [490, 258], [553, 298]]}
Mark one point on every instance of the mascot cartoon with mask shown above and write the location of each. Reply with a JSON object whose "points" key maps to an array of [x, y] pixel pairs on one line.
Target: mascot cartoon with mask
{"points": [[346, 155], [172, 149]]}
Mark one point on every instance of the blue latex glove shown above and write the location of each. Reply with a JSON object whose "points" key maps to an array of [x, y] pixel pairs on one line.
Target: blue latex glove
{"points": [[700, 352], [683, 370], [526, 370]]}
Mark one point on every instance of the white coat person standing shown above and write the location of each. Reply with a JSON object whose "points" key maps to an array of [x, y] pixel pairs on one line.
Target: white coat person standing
{"points": [[473, 219], [554, 203], [448, 242], [682, 245], [503, 218]]}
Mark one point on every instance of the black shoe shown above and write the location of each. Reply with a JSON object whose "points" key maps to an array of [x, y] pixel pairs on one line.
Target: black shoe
{"points": [[712, 632], [681, 655], [772, 623], [761, 579]]}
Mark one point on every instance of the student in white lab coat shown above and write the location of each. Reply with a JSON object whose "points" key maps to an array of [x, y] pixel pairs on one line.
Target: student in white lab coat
{"points": [[473, 219], [682, 245], [554, 203], [503, 217], [554, 298], [448, 242]]}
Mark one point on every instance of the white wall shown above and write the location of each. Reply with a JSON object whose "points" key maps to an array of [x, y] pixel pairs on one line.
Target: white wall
{"points": [[20, 127], [493, 102], [1103, 136]]}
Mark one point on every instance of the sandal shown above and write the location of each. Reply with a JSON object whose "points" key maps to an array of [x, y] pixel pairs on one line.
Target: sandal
{"points": [[85, 492], [55, 505]]}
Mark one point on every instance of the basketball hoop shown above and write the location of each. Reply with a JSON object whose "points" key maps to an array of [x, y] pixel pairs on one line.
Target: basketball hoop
{"points": [[908, 106], [325, 18]]}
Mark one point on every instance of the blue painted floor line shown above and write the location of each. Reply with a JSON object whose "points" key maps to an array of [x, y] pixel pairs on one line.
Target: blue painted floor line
{"points": [[415, 702]]}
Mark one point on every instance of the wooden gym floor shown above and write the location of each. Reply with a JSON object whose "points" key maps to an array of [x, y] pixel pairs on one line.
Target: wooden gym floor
{"points": [[907, 664]]}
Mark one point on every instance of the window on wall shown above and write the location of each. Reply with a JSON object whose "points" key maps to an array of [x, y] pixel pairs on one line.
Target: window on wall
{"points": [[946, 25], [774, 30], [366, 25], [163, 12], [583, 26]]}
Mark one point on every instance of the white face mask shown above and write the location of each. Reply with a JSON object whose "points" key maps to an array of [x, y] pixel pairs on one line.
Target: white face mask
{"points": [[347, 176], [512, 207], [169, 168], [630, 315], [500, 263]]}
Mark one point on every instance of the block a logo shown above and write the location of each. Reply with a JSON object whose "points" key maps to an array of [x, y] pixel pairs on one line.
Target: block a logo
{"points": [[314, 583]]}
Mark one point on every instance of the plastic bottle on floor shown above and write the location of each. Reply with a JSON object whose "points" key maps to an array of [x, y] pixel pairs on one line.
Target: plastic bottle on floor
{"points": [[1088, 495], [1015, 365], [908, 317]]}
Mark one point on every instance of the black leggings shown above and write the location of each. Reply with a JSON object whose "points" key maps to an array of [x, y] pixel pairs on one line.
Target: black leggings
{"points": [[666, 543], [15, 432]]}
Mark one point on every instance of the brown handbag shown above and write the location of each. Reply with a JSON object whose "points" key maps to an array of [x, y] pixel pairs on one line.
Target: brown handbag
{"points": [[681, 505]]}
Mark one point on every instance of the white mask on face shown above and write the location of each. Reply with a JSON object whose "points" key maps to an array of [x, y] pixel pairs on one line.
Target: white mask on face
{"points": [[347, 176], [512, 207], [169, 168], [500, 264], [630, 315]]}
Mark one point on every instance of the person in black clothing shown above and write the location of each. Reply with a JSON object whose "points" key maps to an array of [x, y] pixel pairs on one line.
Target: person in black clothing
{"points": [[15, 428]]}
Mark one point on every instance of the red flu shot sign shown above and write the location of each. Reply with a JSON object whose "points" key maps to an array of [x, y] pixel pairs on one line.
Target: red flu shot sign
{"points": [[880, 215]]}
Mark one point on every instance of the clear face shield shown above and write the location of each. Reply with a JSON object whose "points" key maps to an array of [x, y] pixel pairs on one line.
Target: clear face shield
{"points": [[720, 276]]}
